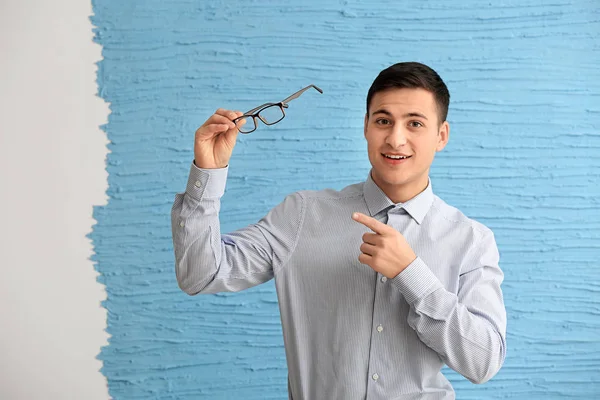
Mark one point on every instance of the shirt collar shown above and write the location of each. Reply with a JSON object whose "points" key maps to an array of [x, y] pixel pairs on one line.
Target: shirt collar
{"points": [[377, 201]]}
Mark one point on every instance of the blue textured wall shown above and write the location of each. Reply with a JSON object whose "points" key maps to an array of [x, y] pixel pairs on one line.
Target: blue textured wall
{"points": [[524, 158]]}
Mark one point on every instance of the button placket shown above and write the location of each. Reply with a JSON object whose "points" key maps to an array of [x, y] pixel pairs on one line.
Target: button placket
{"points": [[376, 349]]}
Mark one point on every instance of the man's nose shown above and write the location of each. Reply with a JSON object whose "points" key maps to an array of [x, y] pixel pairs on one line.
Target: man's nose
{"points": [[396, 137]]}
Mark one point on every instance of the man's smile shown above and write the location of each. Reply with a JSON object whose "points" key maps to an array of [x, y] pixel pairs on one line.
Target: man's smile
{"points": [[395, 159], [395, 156]]}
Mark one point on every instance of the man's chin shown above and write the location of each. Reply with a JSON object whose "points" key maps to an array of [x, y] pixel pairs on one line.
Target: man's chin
{"points": [[387, 180]]}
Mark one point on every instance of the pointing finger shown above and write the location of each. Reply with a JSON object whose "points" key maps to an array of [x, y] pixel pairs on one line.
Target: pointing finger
{"points": [[371, 223]]}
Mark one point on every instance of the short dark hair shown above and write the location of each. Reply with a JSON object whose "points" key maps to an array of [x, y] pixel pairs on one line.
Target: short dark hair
{"points": [[412, 75]]}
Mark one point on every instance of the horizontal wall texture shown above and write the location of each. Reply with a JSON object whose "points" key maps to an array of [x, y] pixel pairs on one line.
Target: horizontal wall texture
{"points": [[523, 158]]}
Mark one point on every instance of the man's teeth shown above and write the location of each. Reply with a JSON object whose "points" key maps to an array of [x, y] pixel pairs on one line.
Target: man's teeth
{"points": [[396, 157]]}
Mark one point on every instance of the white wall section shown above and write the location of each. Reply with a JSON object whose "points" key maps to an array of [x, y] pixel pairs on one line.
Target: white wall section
{"points": [[52, 171]]}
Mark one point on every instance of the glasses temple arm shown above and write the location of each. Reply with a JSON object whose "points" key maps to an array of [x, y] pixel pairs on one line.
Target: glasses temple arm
{"points": [[299, 92]]}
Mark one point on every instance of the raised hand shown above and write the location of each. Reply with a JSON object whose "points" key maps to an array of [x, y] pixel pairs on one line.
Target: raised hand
{"points": [[216, 138]]}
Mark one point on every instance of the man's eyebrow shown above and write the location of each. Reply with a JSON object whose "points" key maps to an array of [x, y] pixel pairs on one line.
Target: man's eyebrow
{"points": [[415, 114], [407, 115], [382, 111]]}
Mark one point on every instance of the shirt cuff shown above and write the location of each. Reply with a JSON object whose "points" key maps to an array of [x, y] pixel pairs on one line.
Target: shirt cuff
{"points": [[416, 281], [206, 183]]}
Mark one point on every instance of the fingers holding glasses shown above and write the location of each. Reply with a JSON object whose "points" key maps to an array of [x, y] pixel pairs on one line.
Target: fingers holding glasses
{"points": [[218, 123], [231, 115]]}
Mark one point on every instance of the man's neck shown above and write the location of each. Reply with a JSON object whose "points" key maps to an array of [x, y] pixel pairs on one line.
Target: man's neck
{"points": [[403, 193]]}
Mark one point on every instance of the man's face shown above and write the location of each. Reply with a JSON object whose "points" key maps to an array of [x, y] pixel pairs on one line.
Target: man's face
{"points": [[403, 123]]}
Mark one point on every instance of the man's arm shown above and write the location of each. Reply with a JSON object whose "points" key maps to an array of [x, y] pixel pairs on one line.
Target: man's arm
{"points": [[208, 262], [467, 329]]}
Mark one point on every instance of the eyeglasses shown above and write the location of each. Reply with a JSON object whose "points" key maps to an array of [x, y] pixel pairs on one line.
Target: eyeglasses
{"points": [[268, 113]]}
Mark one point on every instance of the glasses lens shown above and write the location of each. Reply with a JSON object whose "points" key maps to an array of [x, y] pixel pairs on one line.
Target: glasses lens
{"points": [[248, 127], [271, 115]]}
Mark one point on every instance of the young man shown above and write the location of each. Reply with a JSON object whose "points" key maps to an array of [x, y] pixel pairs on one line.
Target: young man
{"points": [[379, 284]]}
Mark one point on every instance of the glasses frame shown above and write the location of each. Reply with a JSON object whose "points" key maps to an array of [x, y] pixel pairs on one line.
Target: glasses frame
{"points": [[255, 112]]}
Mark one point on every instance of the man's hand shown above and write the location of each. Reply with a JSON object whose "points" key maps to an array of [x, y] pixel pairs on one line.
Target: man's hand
{"points": [[386, 250], [215, 139]]}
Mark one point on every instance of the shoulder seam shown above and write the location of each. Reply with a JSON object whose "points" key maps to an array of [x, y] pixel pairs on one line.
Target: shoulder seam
{"points": [[358, 194], [469, 222]]}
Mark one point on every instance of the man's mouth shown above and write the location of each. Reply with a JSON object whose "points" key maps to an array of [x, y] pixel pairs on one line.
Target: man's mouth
{"points": [[395, 156]]}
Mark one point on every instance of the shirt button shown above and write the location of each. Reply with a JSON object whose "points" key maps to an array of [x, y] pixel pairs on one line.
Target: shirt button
{"points": [[375, 377], [383, 279], [197, 184], [181, 224], [380, 329]]}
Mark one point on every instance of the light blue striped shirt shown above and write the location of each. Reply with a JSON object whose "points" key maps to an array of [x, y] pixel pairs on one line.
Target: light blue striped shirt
{"points": [[349, 332]]}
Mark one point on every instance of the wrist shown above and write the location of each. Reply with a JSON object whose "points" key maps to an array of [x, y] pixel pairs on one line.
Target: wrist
{"points": [[208, 165], [404, 264]]}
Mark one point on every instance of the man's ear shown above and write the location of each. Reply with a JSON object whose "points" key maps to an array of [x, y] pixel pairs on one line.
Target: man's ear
{"points": [[443, 136], [366, 122]]}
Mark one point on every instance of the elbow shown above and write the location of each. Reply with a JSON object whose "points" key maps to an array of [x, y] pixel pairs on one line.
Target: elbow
{"points": [[488, 369], [186, 279], [478, 380], [195, 271], [187, 288]]}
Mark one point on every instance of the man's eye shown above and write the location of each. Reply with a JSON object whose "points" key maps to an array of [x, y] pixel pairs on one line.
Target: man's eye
{"points": [[415, 124], [383, 121]]}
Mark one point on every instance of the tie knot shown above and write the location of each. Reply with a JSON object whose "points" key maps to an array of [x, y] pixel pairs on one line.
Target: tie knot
{"points": [[396, 210], [399, 219]]}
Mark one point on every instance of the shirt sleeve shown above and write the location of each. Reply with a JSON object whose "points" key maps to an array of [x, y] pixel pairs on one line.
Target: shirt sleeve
{"points": [[207, 261], [467, 329]]}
